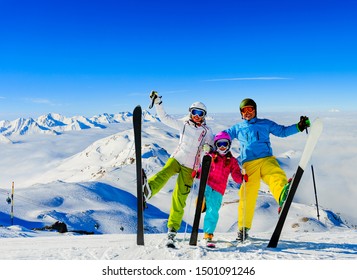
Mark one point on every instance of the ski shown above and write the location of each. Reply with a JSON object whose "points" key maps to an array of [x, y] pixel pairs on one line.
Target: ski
{"points": [[313, 136], [211, 245], [137, 116], [206, 164]]}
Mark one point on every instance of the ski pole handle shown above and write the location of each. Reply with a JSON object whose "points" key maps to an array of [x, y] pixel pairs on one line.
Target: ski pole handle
{"points": [[244, 175]]}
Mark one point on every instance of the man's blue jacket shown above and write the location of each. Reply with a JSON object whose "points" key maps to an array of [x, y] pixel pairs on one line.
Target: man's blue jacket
{"points": [[253, 136]]}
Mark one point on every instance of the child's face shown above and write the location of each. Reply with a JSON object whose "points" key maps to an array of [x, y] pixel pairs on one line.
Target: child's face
{"points": [[222, 146], [222, 150]]}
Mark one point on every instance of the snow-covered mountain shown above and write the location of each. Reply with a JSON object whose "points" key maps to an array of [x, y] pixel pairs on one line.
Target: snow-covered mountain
{"points": [[87, 180], [24, 126], [61, 123], [103, 157], [5, 140], [95, 186], [56, 124]]}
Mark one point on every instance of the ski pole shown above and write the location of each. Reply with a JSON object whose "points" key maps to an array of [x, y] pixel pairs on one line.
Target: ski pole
{"points": [[317, 204], [314, 183], [12, 203], [193, 188], [244, 203]]}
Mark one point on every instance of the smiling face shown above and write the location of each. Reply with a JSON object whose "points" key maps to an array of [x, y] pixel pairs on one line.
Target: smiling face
{"points": [[222, 146], [197, 115], [196, 119], [248, 112]]}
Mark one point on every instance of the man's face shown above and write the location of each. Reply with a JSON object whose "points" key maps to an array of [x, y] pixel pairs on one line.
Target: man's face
{"points": [[248, 112]]}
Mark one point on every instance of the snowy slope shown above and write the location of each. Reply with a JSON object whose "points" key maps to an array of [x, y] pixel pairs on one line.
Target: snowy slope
{"points": [[86, 179], [5, 140]]}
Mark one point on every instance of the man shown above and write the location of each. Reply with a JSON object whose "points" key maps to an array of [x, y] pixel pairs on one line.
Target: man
{"points": [[256, 158], [194, 134]]}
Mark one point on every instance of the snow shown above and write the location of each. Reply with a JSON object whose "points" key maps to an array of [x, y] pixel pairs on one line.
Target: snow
{"points": [[83, 174]]}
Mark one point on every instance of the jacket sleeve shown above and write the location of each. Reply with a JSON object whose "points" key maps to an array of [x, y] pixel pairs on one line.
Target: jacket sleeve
{"points": [[233, 131], [235, 171], [166, 118], [283, 131]]}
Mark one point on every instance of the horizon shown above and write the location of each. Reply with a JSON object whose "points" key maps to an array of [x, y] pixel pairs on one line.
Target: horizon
{"points": [[212, 114], [84, 57]]}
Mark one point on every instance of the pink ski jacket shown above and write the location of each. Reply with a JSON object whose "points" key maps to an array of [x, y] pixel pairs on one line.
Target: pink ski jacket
{"points": [[221, 167]]}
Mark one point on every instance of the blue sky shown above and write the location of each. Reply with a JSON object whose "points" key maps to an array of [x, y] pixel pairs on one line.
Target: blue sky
{"points": [[90, 57]]}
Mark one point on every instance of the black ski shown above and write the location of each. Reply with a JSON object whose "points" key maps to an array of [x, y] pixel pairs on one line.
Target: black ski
{"points": [[137, 116], [315, 132], [206, 164]]}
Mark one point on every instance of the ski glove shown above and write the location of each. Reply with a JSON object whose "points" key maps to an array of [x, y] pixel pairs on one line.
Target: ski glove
{"points": [[206, 148], [303, 123], [196, 174], [155, 98], [245, 177]]}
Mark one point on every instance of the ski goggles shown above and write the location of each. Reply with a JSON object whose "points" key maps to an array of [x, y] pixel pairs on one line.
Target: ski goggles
{"points": [[222, 143], [247, 109], [198, 112]]}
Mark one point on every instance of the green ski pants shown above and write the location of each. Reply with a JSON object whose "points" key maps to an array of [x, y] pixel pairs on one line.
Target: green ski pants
{"points": [[182, 189]]}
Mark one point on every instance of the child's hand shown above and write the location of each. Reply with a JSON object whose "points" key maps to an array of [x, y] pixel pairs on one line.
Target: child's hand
{"points": [[245, 177], [206, 148]]}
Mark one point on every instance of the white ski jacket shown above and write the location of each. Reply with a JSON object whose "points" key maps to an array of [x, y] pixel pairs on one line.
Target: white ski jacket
{"points": [[192, 138]]}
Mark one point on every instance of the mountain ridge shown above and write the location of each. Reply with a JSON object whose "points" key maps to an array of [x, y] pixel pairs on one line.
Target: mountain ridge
{"points": [[56, 124]]}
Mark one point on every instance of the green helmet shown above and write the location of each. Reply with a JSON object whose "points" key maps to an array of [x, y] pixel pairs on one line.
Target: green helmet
{"points": [[248, 102]]}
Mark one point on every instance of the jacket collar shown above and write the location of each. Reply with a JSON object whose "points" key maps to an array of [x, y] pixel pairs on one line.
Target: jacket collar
{"points": [[196, 124], [251, 121]]}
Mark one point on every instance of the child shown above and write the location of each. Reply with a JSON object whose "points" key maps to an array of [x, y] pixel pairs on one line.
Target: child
{"points": [[223, 164]]}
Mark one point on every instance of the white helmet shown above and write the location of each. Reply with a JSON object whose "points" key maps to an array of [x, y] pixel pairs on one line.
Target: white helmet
{"points": [[198, 105]]}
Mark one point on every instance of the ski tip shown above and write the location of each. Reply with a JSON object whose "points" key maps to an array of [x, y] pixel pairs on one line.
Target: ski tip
{"points": [[137, 109], [317, 123], [207, 156]]}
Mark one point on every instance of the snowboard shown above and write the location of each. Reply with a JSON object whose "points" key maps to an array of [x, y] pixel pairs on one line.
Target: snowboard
{"points": [[313, 136]]}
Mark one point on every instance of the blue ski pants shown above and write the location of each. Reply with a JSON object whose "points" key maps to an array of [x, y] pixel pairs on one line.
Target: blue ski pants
{"points": [[213, 204]]}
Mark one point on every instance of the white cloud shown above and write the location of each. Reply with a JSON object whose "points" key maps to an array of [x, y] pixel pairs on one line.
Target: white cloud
{"points": [[40, 100], [248, 79]]}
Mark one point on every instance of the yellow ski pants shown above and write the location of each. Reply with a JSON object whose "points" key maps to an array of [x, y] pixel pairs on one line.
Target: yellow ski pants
{"points": [[266, 169]]}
